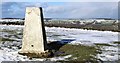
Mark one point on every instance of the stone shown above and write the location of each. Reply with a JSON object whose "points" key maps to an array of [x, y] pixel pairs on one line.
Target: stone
{"points": [[34, 37]]}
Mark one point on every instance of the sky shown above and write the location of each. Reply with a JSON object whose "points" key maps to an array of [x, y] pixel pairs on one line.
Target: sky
{"points": [[63, 9]]}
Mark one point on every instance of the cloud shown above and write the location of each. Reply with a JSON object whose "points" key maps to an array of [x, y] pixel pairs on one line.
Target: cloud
{"points": [[12, 9], [60, 0], [64, 9], [84, 10], [15, 9]]}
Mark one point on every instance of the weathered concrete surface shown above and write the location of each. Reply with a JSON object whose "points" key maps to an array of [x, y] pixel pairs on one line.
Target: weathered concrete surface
{"points": [[34, 37]]}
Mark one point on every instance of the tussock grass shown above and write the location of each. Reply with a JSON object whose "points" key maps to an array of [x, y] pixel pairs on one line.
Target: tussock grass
{"points": [[37, 55], [8, 31], [6, 39], [102, 44], [117, 42], [12, 31], [82, 53]]}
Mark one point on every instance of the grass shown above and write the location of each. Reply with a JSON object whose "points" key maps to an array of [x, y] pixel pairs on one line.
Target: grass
{"points": [[37, 55], [8, 31], [101, 27], [6, 39], [102, 44], [83, 53], [12, 31], [117, 42]]}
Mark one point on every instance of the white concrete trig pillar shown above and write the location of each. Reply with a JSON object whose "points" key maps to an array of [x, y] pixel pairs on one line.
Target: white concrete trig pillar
{"points": [[34, 36]]}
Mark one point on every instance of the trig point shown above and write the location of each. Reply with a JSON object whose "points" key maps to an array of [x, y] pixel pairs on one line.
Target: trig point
{"points": [[34, 37]]}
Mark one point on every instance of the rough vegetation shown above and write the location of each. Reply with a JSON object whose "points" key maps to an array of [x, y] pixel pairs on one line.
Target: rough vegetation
{"points": [[101, 27], [94, 25], [78, 52], [117, 42]]}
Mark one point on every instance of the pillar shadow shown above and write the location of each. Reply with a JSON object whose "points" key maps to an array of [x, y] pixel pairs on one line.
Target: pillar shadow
{"points": [[56, 45]]}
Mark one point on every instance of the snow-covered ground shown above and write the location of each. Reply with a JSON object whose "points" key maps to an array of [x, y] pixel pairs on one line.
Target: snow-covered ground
{"points": [[71, 36], [83, 36]]}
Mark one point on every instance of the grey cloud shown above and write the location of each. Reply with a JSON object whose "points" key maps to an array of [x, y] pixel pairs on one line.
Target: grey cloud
{"points": [[67, 10], [17, 9], [84, 10]]}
